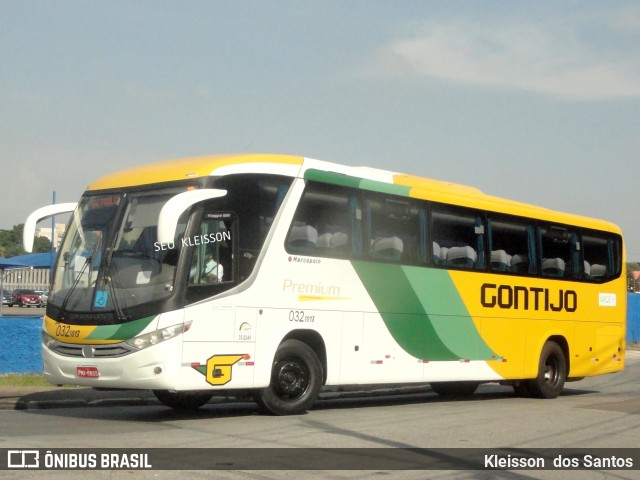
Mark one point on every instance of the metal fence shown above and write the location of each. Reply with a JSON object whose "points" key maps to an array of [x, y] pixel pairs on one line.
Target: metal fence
{"points": [[633, 318], [36, 279]]}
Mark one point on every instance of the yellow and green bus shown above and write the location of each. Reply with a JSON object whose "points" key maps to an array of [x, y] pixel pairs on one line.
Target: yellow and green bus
{"points": [[278, 275]]}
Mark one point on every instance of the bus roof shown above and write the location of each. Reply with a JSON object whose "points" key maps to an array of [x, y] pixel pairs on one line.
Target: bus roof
{"points": [[359, 177], [189, 168]]}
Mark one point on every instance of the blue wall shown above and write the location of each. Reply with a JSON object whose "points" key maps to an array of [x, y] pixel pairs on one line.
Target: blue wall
{"points": [[633, 318]]}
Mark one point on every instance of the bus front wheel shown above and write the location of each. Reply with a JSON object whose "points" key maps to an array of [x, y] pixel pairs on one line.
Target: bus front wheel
{"points": [[552, 372], [296, 379], [183, 400]]}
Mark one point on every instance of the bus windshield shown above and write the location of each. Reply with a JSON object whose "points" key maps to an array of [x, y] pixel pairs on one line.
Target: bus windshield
{"points": [[110, 259]]}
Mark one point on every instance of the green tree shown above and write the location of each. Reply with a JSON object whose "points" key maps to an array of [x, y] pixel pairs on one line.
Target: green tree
{"points": [[11, 242], [631, 282]]}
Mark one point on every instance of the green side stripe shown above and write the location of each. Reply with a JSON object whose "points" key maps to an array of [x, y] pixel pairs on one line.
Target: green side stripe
{"points": [[355, 182], [104, 332], [332, 178], [385, 188], [423, 311], [120, 332], [447, 312], [202, 369]]}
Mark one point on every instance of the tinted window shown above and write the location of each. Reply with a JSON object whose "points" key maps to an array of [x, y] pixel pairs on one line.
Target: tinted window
{"points": [[602, 259], [512, 246], [328, 222], [394, 226], [458, 237]]}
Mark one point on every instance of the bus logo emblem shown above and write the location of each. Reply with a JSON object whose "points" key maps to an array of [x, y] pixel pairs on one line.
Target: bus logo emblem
{"points": [[218, 369]]}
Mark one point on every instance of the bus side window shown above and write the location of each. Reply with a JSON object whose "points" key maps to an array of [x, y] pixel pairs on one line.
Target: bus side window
{"points": [[327, 223], [394, 230], [302, 238], [211, 261], [511, 245], [460, 235], [560, 252], [601, 257], [256, 202]]}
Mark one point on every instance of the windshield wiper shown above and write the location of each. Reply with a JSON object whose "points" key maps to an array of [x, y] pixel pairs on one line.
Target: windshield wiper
{"points": [[63, 307], [114, 299], [105, 267]]}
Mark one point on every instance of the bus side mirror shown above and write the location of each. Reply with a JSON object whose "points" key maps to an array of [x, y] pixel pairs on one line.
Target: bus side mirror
{"points": [[176, 206], [32, 220]]}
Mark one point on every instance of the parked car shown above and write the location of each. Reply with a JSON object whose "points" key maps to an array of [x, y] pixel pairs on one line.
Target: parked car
{"points": [[25, 298], [44, 296], [6, 297]]}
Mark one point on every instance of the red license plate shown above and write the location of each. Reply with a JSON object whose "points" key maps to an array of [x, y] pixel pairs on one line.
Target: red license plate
{"points": [[87, 372]]}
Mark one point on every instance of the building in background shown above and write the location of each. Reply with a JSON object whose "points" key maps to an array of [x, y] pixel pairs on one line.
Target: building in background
{"points": [[34, 272], [58, 233]]}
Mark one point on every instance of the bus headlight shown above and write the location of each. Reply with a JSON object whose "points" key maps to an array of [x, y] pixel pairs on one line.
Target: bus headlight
{"points": [[47, 340], [158, 336]]}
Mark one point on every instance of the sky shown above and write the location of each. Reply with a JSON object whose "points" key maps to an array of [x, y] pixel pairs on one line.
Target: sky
{"points": [[533, 101]]}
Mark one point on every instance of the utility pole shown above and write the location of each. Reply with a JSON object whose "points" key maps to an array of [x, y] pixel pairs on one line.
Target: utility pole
{"points": [[53, 231]]}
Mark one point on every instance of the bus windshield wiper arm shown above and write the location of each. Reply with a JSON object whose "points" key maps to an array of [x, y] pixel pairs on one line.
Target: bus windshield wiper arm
{"points": [[76, 280], [108, 280], [106, 266]]}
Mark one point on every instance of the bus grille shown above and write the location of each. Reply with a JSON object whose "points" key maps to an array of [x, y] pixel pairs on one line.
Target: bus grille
{"points": [[91, 351]]}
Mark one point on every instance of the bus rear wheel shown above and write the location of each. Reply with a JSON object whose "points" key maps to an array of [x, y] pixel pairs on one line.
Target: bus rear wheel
{"points": [[296, 379], [552, 372], [183, 400]]}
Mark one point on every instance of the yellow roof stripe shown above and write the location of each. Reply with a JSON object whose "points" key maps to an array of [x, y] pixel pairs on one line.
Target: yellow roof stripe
{"points": [[422, 183], [457, 194], [183, 169]]}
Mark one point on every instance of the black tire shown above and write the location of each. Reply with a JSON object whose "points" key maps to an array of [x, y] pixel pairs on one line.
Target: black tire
{"points": [[552, 372], [454, 389], [187, 400], [296, 380]]}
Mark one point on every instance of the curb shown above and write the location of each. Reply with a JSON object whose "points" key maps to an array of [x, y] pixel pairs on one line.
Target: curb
{"points": [[22, 404], [34, 398]]}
